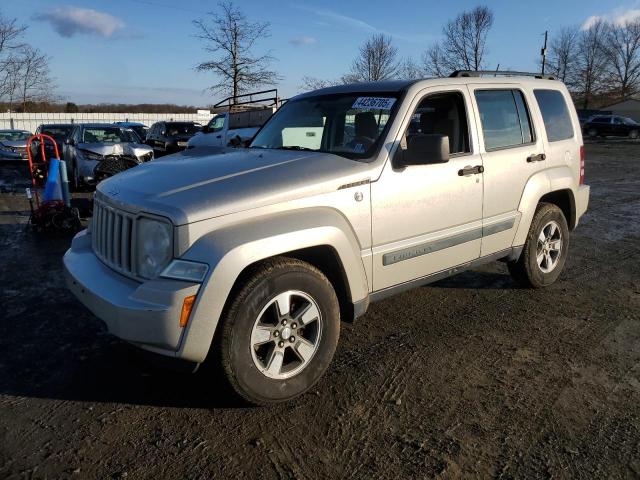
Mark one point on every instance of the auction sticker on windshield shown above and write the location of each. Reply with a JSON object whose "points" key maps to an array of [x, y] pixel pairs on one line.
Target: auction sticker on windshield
{"points": [[380, 103]]}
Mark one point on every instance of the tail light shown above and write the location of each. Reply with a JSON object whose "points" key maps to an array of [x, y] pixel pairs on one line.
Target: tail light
{"points": [[581, 165]]}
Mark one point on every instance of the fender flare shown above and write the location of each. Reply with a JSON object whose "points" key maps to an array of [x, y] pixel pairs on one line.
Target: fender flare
{"points": [[230, 250], [541, 183]]}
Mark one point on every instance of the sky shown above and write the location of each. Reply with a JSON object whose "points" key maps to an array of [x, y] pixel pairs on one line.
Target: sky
{"points": [[144, 51]]}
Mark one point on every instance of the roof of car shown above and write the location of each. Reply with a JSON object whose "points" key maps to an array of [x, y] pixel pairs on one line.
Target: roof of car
{"points": [[393, 86], [8, 130], [129, 124], [58, 125], [99, 125]]}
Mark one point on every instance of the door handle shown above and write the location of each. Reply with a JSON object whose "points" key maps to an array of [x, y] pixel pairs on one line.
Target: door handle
{"points": [[536, 158], [219, 136], [469, 170]]}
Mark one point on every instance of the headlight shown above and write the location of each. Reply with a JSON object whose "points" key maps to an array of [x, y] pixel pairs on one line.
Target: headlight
{"points": [[153, 249], [186, 270]]}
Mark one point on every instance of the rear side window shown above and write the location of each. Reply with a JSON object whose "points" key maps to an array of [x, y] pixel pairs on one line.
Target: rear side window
{"points": [[555, 114], [505, 118]]}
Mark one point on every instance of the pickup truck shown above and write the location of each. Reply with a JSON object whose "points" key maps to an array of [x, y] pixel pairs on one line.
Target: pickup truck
{"points": [[227, 128], [346, 196]]}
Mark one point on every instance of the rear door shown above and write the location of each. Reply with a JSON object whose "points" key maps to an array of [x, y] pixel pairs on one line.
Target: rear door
{"points": [[512, 151]]}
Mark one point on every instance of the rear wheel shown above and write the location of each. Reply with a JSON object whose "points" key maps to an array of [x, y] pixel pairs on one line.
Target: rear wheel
{"points": [[75, 177], [633, 134], [545, 250], [280, 332]]}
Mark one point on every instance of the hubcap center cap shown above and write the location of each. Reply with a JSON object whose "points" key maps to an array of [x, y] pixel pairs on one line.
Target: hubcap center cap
{"points": [[286, 332]]}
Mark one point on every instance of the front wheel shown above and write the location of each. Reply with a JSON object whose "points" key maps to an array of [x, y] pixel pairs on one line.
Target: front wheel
{"points": [[633, 134], [280, 332], [592, 132], [545, 250]]}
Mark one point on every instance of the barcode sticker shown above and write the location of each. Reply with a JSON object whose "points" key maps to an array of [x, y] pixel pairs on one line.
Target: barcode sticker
{"points": [[380, 103]]}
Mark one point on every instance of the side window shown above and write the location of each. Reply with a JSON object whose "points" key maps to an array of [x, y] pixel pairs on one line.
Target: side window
{"points": [[217, 123], [505, 118], [445, 114], [555, 114]]}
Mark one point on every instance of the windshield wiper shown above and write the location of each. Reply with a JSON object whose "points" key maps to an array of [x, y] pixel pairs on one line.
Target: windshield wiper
{"points": [[296, 147]]}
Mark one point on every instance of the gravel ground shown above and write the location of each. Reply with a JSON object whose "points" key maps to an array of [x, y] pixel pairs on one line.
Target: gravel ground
{"points": [[470, 376]]}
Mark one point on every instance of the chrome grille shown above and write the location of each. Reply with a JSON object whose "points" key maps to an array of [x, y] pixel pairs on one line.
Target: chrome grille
{"points": [[112, 233]]}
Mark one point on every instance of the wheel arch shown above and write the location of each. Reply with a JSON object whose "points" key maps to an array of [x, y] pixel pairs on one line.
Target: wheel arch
{"points": [[321, 236], [553, 185]]}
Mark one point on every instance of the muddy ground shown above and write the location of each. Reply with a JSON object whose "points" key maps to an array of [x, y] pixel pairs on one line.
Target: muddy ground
{"points": [[471, 376]]}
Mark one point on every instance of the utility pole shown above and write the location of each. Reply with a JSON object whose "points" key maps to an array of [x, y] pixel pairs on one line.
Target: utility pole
{"points": [[543, 52]]}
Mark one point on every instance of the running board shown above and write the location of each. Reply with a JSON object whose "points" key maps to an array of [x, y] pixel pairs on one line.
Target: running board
{"points": [[512, 253]]}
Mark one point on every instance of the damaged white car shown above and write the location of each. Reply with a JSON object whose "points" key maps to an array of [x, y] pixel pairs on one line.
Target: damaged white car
{"points": [[96, 151]]}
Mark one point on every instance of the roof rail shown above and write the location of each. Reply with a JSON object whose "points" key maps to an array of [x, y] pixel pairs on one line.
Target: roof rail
{"points": [[495, 73], [265, 98]]}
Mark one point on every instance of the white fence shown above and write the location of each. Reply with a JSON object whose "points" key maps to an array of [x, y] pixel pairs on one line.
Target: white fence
{"points": [[30, 121]]}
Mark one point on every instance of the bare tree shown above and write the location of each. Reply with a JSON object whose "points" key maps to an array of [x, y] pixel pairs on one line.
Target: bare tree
{"points": [[563, 50], [622, 49], [231, 37], [35, 79], [10, 42], [464, 44], [377, 60], [410, 70], [591, 63]]}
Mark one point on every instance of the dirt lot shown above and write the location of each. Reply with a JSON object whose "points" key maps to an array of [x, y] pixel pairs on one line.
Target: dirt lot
{"points": [[471, 376]]}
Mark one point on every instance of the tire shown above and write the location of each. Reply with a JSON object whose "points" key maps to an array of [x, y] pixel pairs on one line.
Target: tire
{"points": [[534, 268], [75, 177], [247, 343], [633, 134]]}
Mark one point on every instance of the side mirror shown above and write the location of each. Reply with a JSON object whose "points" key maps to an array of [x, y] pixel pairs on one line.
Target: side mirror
{"points": [[205, 129], [70, 141], [424, 150]]}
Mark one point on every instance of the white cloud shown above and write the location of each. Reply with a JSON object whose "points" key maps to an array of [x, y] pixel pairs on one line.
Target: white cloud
{"points": [[69, 21], [619, 17], [302, 40]]}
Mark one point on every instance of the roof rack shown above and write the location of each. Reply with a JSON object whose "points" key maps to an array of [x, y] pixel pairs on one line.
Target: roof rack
{"points": [[265, 98], [495, 73]]}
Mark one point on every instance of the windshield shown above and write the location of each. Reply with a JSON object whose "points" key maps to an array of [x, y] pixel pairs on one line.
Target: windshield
{"points": [[629, 121], [13, 136], [108, 135], [174, 129], [350, 125], [59, 133]]}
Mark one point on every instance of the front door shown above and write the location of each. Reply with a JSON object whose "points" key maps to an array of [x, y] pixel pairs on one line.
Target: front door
{"points": [[428, 218]]}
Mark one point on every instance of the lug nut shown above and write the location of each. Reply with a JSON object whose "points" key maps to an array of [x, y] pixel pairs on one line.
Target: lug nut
{"points": [[292, 339], [281, 344], [276, 333], [284, 322], [294, 325]]}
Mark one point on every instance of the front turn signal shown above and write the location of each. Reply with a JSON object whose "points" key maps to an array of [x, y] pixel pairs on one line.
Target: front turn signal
{"points": [[187, 306]]}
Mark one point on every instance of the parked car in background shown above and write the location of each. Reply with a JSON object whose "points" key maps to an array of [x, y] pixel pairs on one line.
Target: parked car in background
{"points": [[95, 151], [230, 128], [13, 144], [611, 126], [140, 128], [171, 137], [60, 132]]}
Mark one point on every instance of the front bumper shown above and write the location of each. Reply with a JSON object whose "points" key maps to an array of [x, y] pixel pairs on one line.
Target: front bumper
{"points": [[145, 314]]}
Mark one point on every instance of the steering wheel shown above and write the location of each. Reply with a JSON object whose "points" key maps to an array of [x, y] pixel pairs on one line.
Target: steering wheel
{"points": [[366, 143]]}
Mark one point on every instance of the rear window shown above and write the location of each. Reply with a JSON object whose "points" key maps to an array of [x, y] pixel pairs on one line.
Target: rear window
{"points": [[555, 114], [505, 119]]}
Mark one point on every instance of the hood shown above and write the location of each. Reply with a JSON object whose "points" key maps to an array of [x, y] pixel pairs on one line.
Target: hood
{"points": [[14, 143], [191, 186], [135, 149]]}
